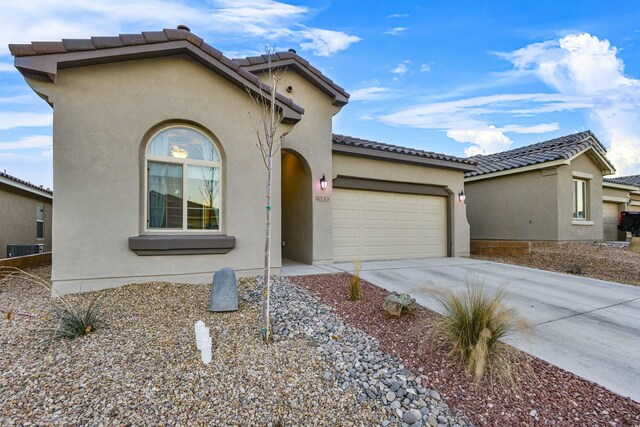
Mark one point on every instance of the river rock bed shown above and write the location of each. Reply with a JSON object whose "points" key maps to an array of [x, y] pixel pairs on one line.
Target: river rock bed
{"points": [[355, 359]]}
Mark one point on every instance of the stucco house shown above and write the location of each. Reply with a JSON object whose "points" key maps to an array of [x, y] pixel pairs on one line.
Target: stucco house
{"points": [[549, 191], [157, 175], [25, 216], [618, 194]]}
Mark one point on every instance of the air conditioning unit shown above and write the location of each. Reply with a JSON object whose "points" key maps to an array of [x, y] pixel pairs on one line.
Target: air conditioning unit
{"points": [[22, 250]]}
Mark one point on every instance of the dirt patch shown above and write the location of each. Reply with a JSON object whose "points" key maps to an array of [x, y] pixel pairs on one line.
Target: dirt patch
{"points": [[547, 396], [594, 260]]}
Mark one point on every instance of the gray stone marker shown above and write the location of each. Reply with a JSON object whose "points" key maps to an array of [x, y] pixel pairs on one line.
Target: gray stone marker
{"points": [[224, 291]]}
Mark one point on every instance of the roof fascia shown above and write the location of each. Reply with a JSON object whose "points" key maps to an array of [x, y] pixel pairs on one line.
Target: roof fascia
{"points": [[628, 187], [545, 165], [401, 158], [605, 167], [47, 66], [337, 98], [24, 187]]}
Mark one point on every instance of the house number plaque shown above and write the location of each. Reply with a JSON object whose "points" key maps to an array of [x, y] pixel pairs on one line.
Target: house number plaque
{"points": [[322, 199]]}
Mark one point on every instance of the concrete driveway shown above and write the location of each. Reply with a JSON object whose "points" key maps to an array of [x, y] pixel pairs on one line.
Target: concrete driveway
{"points": [[585, 326]]}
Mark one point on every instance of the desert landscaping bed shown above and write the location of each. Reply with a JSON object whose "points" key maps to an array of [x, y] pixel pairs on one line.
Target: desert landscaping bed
{"points": [[546, 395], [596, 260], [141, 367]]}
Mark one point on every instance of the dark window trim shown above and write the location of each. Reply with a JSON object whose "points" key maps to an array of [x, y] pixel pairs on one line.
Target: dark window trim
{"points": [[180, 244]]}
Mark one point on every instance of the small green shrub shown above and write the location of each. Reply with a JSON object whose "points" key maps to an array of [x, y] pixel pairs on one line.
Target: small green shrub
{"points": [[72, 320], [75, 321], [355, 293], [474, 324]]}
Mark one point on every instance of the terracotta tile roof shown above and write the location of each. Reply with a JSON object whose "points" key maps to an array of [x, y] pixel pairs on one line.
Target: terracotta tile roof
{"points": [[379, 146], [624, 180], [145, 38], [28, 184], [561, 148], [291, 58]]}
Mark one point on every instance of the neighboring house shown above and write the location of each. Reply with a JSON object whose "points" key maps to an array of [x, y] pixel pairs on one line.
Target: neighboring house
{"points": [[549, 191], [618, 194], [25, 214], [157, 175]]}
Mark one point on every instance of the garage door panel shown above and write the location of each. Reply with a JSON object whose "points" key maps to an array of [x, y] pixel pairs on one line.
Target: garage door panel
{"points": [[388, 225]]}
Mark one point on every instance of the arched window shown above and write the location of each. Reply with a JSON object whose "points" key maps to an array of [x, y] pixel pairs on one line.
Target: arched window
{"points": [[183, 183]]}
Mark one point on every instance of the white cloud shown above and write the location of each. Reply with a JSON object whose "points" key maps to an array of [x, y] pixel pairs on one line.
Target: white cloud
{"points": [[587, 68], [252, 20], [33, 141], [398, 15], [327, 42], [425, 68], [484, 141], [400, 69], [13, 120], [373, 93], [396, 31]]}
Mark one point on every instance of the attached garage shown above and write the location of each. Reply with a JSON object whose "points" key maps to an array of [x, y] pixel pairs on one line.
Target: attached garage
{"points": [[610, 215], [377, 225]]}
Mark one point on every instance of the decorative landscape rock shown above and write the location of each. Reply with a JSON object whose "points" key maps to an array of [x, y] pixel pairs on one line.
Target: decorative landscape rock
{"points": [[355, 357], [224, 291], [395, 305]]}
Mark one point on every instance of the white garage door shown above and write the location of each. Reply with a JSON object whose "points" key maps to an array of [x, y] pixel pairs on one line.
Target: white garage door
{"points": [[610, 220], [376, 225]]}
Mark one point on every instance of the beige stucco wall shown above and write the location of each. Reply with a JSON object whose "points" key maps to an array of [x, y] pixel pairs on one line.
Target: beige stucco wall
{"points": [[568, 229], [18, 219], [535, 205], [520, 206], [101, 116], [311, 140], [452, 180]]}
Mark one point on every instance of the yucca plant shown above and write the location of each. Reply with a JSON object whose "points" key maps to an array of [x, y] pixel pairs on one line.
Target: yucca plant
{"points": [[355, 293], [72, 319], [474, 325]]}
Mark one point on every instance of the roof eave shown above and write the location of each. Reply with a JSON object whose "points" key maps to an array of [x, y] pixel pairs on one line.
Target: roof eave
{"points": [[402, 158], [27, 188], [47, 66], [628, 187], [337, 97]]}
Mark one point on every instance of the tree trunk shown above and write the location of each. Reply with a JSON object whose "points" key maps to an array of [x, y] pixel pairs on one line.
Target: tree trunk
{"points": [[266, 291]]}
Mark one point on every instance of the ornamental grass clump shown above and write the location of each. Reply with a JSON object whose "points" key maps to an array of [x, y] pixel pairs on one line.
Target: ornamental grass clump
{"points": [[70, 319], [474, 325], [355, 293]]}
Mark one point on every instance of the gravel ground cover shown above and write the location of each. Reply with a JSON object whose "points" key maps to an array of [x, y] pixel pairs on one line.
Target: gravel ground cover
{"points": [[356, 361], [546, 396], [596, 260], [141, 367]]}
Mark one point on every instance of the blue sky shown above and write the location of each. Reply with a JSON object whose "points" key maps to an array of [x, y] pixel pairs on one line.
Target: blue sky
{"points": [[460, 78]]}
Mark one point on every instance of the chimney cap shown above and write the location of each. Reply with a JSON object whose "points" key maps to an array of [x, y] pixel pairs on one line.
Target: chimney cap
{"points": [[183, 27]]}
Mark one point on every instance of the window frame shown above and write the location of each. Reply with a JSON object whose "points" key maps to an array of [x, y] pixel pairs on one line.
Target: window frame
{"points": [[185, 163], [585, 199], [40, 208]]}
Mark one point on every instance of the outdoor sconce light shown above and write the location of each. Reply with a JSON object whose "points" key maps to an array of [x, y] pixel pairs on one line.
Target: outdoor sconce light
{"points": [[323, 182], [461, 196]]}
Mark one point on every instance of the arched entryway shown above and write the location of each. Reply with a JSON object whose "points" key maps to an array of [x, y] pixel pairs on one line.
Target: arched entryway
{"points": [[297, 226]]}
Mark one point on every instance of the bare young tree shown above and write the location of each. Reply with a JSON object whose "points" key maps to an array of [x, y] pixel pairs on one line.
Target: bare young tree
{"points": [[270, 136]]}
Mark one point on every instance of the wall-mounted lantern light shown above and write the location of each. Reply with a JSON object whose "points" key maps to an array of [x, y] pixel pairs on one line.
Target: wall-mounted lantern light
{"points": [[323, 182], [461, 196]]}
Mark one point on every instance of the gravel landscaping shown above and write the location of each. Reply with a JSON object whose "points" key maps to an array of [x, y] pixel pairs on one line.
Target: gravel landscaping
{"points": [[597, 260], [141, 367], [545, 395]]}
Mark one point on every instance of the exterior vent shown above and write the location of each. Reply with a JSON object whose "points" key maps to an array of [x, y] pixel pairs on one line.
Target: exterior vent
{"points": [[22, 250]]}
